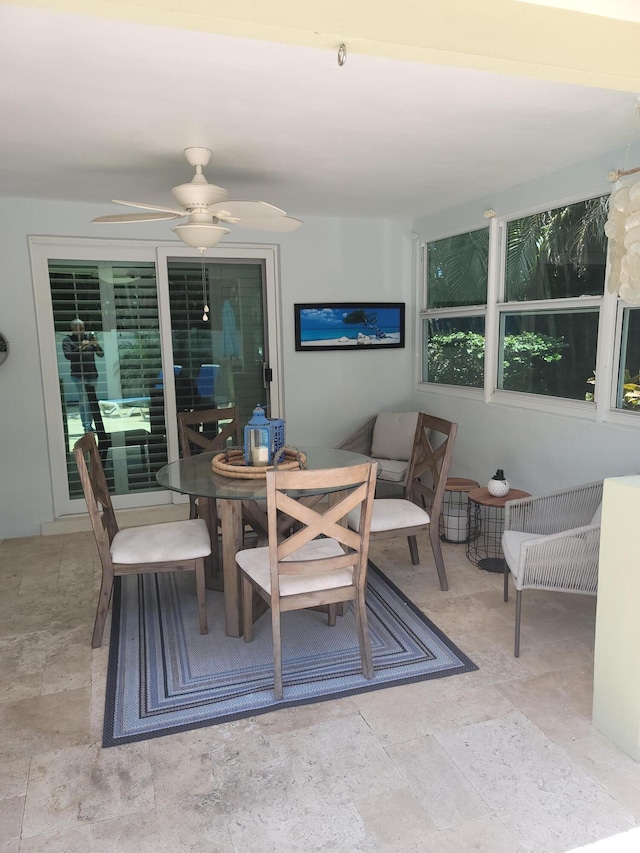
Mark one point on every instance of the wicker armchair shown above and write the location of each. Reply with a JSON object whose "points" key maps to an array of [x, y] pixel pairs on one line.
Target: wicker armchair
{"points": [[552, 542]]}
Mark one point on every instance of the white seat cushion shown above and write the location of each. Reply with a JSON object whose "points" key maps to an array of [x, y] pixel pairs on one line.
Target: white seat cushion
{"points": [[255, 562], [391, 514], [392, 470], [159, 543], [393, 434], [511, 542]]}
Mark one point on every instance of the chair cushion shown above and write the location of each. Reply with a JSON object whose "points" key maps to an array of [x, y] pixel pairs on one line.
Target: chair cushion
{"points": [[393, 434], [255, 562], [158, 543], [393, 470], [511, 542], [391, 514]]}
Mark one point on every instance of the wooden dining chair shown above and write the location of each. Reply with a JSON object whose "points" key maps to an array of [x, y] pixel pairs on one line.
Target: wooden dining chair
{"points": [[322, 563], [421, 506], [175, 546], [219, 428]]}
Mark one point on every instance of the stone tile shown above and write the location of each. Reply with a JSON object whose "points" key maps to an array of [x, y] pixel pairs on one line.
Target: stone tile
{"points": [[82, 784], [20, 617], [50, 721], [499, 638], [99, 666], [442, 790], [493, 667], [68, 661], [410, 711], [462, 613], [484, 835], [596, 754], [341, 757], [13, 777], [70, 841], [22, 659], [541, 795], [304, 821], [192, 825], [305, 716], [10, 819], [558, 702], [396, 821], [623, 783]]}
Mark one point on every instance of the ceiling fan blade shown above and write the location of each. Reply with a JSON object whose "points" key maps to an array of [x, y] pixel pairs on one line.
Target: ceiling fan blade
{"points": [[232, 211], [277, 223], [137, 217], [150, 207]]}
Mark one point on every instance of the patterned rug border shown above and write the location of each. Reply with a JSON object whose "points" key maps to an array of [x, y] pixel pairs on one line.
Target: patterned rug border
{"points": [[110, 739]]}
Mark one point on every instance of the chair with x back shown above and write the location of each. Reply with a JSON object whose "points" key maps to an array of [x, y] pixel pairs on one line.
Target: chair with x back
{"points": [[175, 546], [420, 509], [205, 431], [323, 563]]}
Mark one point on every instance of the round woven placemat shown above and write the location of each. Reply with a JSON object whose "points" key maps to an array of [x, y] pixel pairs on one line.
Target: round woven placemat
{"points": [[231, 463]]}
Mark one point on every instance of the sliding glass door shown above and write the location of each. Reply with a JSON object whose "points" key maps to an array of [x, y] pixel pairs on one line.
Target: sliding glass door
{"points": [[115, 321], [220, 358], [108, 357]]}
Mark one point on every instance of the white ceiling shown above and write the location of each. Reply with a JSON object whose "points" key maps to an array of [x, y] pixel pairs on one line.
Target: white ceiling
{"points": [[94, 109]]}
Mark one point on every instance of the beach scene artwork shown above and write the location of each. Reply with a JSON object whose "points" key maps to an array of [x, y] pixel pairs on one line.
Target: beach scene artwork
{"points": [[347, 325]]}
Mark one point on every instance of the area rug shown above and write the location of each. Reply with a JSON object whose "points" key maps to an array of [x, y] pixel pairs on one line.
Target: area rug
{"points": [[164, 677]]}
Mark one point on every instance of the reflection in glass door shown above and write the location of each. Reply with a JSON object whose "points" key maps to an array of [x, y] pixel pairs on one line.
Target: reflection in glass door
{"points": [[109, 368], [220, 361]]}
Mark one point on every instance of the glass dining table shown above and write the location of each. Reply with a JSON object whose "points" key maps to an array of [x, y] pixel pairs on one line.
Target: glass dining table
{"points": [[238, 500]]}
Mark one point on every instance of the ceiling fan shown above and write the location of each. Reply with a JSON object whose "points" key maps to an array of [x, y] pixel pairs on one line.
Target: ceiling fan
{"points": [[205, 205]]}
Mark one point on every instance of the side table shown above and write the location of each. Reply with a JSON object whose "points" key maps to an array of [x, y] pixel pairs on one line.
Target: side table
{"points": [[454, 518], [486, 523]]}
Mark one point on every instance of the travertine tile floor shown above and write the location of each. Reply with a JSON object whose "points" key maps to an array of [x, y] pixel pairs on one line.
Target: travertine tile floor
{"points": [[500, 760]]}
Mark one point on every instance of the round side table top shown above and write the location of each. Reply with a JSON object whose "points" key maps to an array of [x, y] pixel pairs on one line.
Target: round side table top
{"points": [[460, 484], [482, 497]]}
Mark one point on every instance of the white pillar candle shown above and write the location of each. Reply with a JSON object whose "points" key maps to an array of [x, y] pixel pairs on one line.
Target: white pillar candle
{"points": [[260, 456]]}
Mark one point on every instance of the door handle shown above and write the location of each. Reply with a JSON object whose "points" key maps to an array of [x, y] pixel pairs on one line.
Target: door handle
{"points": [[267, 374]]}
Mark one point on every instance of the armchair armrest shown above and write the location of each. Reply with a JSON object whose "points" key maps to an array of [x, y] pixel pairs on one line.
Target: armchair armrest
{"points": [[567, 561], [556, 512], [360, 440]]}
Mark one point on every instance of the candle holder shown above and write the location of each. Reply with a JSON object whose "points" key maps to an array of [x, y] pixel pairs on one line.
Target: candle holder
{"points": [[258, 439]]}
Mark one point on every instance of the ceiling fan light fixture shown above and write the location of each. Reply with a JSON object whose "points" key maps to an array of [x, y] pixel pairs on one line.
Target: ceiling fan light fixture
{"points": [[200, 235]]}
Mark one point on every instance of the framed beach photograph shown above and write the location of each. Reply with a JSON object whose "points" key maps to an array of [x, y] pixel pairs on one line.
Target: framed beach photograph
{"points": [[349, 325]]}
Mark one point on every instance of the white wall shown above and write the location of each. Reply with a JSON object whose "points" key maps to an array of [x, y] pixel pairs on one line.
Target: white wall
{"points": [[326, 394], [539, 451]]}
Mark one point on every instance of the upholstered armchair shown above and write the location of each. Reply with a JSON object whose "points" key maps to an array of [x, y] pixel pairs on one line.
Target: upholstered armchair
{"points": [[388, 439], [552, 542]]}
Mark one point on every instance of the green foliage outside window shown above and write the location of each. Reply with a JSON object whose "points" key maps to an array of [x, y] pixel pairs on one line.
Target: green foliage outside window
{"points": [[458, 359]]}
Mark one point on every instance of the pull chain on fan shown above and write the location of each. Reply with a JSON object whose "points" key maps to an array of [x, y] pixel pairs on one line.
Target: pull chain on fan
{"points": [[205, 310]]}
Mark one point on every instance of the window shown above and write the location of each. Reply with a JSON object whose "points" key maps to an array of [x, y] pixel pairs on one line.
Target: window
{"points": [[526, 303], [555, 259], [628, 392], [548, 352], [453, 325]]}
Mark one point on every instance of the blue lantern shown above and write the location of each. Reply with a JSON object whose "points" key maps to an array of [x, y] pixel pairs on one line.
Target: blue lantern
{"points": [[258, 439], [278, 435]]}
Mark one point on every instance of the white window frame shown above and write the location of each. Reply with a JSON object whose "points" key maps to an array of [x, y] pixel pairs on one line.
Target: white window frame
{"points": [[426, 313], [43, 249], [609, 343]]}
